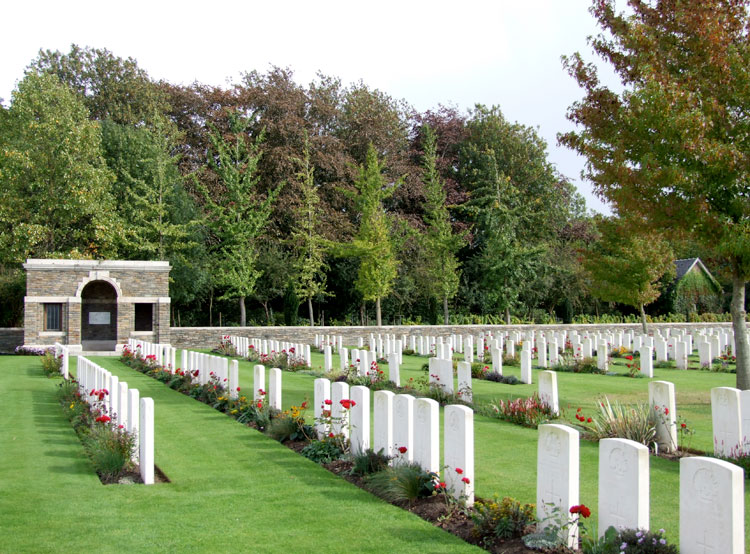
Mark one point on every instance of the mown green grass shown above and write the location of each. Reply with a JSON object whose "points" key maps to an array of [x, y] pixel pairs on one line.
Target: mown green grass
{"points": [[506, 453], [232, 488]]}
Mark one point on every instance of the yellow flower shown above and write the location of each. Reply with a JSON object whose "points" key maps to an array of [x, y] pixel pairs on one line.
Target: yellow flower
{"points": [[72, 404], [234, 411]]}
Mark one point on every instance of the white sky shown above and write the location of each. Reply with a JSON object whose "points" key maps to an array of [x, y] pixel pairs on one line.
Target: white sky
{"points": [[494, 52]]}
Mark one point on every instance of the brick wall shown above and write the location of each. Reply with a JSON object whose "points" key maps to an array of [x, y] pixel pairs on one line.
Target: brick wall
{"points": [[208, 337], [10, 337]]}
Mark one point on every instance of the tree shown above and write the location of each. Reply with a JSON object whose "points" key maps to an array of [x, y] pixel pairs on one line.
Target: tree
{"points": [[372, 242], [307, 242], [441, 245], [238, 217], [54, 185], [673, 147], [626, 266]]}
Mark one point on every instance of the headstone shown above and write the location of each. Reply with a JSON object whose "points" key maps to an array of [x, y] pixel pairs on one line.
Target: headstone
{"points": [[122, 402], [745, 413], [234, 379], [712, 507], [360, 419], [681, 354], [602, 356], [526, 366], [557, 478], [134, 418], [403, 427], [548, 390], [382, 433], [647, 361], [394, 375], [339, 415], [259, 382], [554, 352], [510, 347], [623, 485], [458, 445], [322, 393], [541, 352], [464, 381], [497, 360], [727, 421], [327, 359], [274, 388], [660, 346], [441, 373], [427, 434], [146, 441], [662, 401]]}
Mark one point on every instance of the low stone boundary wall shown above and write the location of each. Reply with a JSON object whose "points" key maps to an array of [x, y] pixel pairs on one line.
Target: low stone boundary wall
{"points": [[10, 338], [209, 337]]}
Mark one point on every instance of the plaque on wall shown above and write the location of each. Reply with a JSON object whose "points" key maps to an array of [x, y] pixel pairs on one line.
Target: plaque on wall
{"points": [[99, 318]]}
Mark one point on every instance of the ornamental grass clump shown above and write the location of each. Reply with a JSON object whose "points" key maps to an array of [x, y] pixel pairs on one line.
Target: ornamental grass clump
{"points": [[110, 448], [529, 412], [51, 364], [634, 422], [402, 483], [369, 462]]}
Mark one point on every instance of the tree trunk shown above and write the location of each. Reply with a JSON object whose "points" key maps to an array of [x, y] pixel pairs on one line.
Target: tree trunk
{"points": [[362, 314], [268, 314], [243, 313], [379, 322], [643, 320], [310, 311], [446, 314], [507, 316], [742, 348], [211, 309]]}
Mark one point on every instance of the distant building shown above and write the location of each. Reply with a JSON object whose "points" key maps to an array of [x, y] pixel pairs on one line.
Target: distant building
{"points": [[95, 305], [694, 289]]}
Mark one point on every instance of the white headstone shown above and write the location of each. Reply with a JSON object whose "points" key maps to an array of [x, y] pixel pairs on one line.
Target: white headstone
{"points": [[557, 478], [427, 434], [647, 361], [623, 485], [497, 360], [382, 424], [726, 417], [360, 419], [602, 356], [339, 415], [458, 446], [712, 507], [322, 393], [146, 441], [274, 388], [464, 381], [234, 379], [662, 401], [394, 374], [548, 390], [526, 366], [259, 382], [403, 427]]}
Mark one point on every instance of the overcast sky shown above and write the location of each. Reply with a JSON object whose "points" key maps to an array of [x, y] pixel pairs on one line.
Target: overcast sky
{"points": [[496, 52]]}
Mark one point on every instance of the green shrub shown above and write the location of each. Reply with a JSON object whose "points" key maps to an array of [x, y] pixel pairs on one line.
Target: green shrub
{"points": [[285, 428], [111, 450], [402, 483], [572, 364], [529, 412], [500, 378], [504, 519], [323, 451], [51, 364], [369, 462]]}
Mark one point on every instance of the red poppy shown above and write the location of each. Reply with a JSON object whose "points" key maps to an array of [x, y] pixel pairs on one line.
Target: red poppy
{"points": [[402, 449], [589, 420], [331, 435], [238, 389], [459, 470], [578, 410], [347, 404], [666, 411], [580, 509], [440, 485], [683, 425], [260, 405], [466, 480], [327, 402], [629, 358], [103, 419], [303, 406]]}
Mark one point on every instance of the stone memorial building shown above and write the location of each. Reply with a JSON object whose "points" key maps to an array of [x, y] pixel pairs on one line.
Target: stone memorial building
{"points": [[95, 305]]}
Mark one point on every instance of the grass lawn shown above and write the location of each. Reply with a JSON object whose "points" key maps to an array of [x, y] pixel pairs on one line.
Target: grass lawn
{"points": [[232, 488], [506, 453]]}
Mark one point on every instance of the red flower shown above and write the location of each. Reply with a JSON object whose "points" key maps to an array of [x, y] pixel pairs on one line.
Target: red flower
{"points": [[629, 358], [303, 406], [683, 425], [327, 402], [330, 435], [440, 485], [466, 480], [347, 404], [459, 470], [260, 405], [402, 449], [261, 392], [578, 410], [580, 509], [666, 411], [121, 427], [238, 389], [589, 420], [103, 419]]}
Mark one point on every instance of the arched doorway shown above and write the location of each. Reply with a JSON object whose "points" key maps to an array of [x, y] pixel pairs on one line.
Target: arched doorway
{"points": [[98, 316]]}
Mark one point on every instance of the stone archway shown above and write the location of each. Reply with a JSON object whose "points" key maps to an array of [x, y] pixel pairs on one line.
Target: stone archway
{"points": [[98, 316]]}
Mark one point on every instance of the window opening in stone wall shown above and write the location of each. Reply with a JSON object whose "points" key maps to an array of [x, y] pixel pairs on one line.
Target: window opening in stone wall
{"points": [[53, 317], [144, 314]]}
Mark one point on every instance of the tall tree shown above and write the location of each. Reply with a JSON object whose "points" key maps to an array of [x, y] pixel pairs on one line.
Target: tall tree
{"points": [[54, 184], [307, 241], [625, 265], [673, 147], [372, 243], [441, 245], [239, 215]]}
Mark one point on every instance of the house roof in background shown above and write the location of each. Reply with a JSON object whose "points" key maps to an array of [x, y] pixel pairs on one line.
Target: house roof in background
{"points": [[685, 265]]}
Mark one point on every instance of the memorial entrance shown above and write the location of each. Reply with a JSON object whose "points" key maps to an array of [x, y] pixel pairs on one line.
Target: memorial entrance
{"points": [[99, 316]]}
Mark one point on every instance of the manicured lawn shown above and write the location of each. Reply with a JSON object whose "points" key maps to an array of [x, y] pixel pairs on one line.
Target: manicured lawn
{"points": [[232, 488]]}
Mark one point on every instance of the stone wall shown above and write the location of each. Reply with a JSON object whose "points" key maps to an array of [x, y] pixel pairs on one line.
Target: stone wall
{"points": [[208, 337], [10, 337]]}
